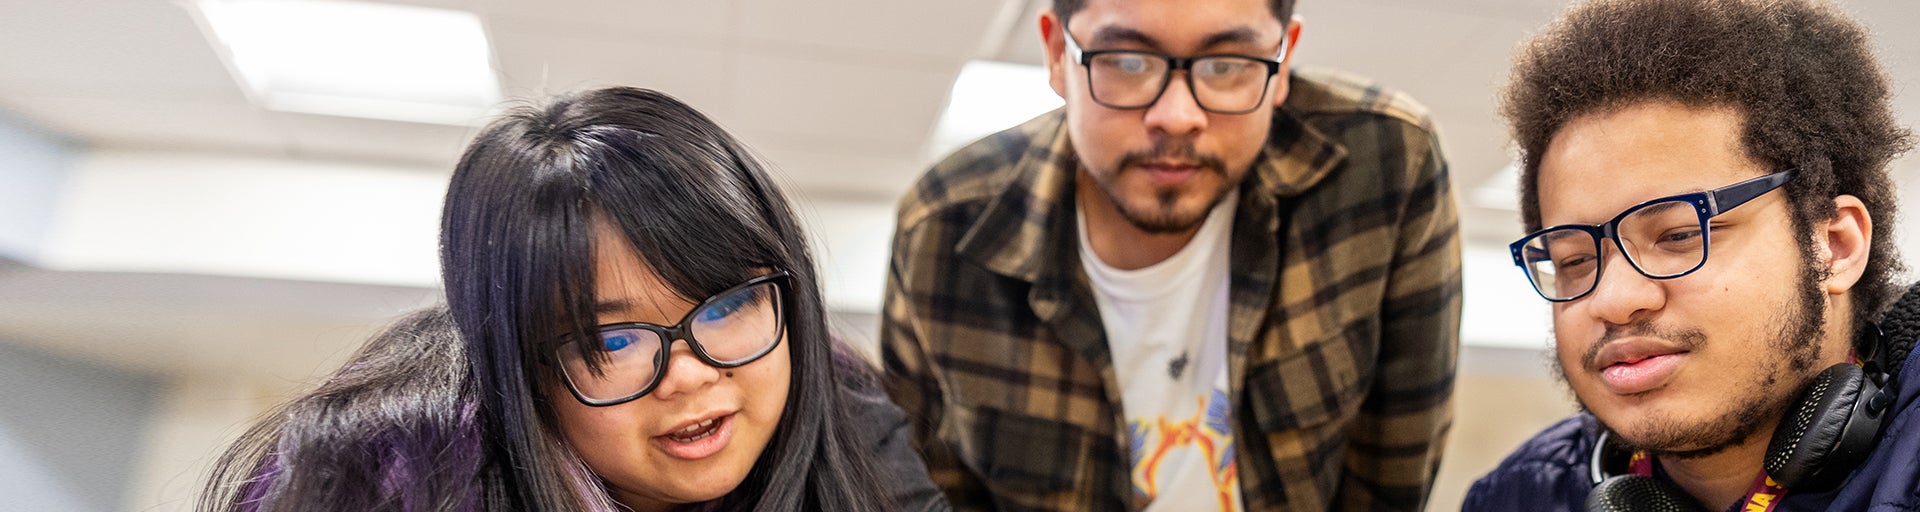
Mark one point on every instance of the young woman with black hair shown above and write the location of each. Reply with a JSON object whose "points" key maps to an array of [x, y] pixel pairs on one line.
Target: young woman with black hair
{"points": [[642, 329]]}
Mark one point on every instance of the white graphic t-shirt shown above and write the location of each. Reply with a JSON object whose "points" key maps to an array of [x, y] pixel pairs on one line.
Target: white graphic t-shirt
{"points": [[1166, 326]]}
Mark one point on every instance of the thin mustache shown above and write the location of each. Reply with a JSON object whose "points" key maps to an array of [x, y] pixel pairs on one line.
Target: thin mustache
{"points": [[1688, 338], [1181, 149]]}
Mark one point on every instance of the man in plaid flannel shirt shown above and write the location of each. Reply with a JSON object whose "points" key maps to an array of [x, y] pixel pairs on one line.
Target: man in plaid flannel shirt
{"points": [[1209, 282]]}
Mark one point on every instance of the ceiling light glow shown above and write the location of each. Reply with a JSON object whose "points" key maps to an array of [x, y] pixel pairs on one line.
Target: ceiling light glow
{"points": [[358, 59], [990, 96]]}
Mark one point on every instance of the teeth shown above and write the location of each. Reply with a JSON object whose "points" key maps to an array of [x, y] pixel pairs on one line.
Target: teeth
{"points": [[692, 439], [697, 426], [687, 435]]}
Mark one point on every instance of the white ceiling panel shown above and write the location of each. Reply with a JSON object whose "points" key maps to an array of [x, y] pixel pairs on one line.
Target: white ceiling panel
{"points": [[656, 19], [1523, 10], [1020, 37], [940, 30], [106, 47], [538, 63], [873, 176], [431, 145], [133, 122], [861, 103], [1349, 35]]}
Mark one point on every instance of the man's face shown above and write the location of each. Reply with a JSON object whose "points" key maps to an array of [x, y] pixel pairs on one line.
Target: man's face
{"points": [[1689, 365], [1164, 166]]}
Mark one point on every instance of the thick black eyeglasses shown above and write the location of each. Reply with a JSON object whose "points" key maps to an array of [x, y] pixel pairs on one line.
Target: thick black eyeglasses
{"points": [[728, 330], [1662, 239], [1133, 79]]}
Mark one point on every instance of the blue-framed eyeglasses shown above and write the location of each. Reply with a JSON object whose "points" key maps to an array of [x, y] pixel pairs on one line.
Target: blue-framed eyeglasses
{"points": [[1662, 239]]}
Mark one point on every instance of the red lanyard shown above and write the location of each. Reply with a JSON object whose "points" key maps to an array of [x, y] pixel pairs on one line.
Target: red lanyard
{"points": [[1762, 495]]}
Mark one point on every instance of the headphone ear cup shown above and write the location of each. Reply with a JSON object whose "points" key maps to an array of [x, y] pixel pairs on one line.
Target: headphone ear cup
{"points": [[1635, 493], [1862, 432], [1809, 441]]}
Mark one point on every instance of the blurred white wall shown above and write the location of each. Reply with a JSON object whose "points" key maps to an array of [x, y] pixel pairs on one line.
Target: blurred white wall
{"points": [[71, 432], [220, 214], [33, 168]]}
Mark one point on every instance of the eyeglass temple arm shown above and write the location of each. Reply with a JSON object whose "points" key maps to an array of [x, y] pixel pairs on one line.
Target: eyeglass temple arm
{"points": [[1073, 52], [1726, 198], [1282, 54]]}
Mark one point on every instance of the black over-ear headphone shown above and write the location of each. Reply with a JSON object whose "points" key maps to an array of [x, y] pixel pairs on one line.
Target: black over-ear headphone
{"points": [[1616, 491], [1830, 428]]}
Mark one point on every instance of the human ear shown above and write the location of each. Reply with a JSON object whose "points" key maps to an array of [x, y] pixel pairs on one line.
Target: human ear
{"points": [[1845, 242], [1053, 38]]}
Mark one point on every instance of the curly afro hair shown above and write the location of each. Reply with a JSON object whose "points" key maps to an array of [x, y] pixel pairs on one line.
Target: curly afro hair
{"points": [[1801, 74]]}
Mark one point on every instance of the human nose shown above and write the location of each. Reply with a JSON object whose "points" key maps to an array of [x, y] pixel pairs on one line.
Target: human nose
{"points": [[684, 373], [1621, 293], [1176, 111]]}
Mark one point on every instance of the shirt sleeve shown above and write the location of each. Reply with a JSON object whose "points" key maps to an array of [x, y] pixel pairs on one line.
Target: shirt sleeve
{"points": [[911, 376], [883, 426], [1397, 437]]}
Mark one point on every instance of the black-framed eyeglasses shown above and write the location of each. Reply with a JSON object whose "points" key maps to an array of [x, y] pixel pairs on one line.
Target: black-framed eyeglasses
{"points": [[1662, 239], [1133, 79], [728, 330]]}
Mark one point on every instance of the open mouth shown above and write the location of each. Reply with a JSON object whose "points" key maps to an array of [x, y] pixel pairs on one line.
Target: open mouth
{"points": [[697, 431], [698, 440]]}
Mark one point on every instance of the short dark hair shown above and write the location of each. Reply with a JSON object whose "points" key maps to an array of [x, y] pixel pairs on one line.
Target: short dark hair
{"points": [[1282, 9], [1800, 73]]}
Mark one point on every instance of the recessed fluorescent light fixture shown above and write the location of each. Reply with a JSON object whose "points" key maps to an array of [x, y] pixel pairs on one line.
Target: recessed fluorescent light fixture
{"points": [[990, 96], [357, 59]]}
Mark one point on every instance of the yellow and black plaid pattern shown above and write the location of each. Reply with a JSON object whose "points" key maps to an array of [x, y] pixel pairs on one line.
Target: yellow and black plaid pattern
{"points": [[1343, 328]]}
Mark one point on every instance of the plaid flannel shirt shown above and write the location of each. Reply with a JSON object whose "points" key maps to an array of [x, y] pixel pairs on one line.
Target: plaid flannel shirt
{"points": [[1343, 326]]}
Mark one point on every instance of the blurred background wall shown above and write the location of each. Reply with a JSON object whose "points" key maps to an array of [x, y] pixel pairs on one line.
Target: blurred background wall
{"points": [[188, 235]]}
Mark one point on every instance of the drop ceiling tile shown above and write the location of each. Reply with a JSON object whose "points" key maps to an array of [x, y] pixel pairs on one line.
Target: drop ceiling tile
{"points": [[430, 145], [533, 64], [105, 45], [823, 173], [945, 30], [150, 123], [703, 19], [889, 105]]}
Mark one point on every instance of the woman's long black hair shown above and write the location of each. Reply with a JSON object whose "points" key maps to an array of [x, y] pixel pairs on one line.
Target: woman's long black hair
{"points": [[516, 256], [396, 428]]}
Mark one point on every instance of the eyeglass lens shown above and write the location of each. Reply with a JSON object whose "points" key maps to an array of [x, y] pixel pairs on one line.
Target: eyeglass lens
{"points": [[732, 329], [1136, 79], [1661, 240]]}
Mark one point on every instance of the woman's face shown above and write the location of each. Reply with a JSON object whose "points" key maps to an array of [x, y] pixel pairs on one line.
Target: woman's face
{"points": [[658, 450]]}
